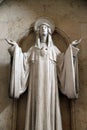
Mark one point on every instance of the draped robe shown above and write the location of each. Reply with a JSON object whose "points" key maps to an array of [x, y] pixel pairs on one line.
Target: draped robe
{"points": [[44, 72]]}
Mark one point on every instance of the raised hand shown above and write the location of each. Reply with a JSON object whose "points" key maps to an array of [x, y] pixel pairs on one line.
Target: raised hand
{"points": [[76, 42], [13, 43]]}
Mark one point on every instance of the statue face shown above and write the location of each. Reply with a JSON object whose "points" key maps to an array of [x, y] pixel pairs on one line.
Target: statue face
{"points": [[43, 30]]}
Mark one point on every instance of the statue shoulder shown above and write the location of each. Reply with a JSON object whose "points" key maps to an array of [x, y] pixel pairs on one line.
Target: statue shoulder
{"points": [[56, 49], [30, 50]]}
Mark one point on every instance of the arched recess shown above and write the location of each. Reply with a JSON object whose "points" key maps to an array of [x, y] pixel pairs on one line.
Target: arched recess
{"points": [[61, 40]]}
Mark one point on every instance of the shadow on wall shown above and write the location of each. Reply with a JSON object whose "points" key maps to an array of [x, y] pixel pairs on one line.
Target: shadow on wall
{"points": [[4, 87], [4, 76]]}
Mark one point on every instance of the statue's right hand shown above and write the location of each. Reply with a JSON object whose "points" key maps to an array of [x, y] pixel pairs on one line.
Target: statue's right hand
{"points": [[13, 43]]}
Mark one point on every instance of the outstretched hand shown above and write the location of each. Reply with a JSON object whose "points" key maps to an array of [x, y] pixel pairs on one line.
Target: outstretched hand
{"points": [[76, 42], [11, 42]]}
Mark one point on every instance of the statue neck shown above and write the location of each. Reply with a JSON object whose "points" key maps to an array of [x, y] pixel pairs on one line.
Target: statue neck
{"points": [[43, 39]]}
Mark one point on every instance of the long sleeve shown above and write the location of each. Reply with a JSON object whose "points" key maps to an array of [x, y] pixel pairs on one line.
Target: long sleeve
{"points": [[19, 72], [68, 72]]}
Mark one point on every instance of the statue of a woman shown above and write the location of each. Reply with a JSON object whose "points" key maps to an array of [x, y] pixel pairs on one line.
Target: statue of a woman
{"points": [[40, 69]]}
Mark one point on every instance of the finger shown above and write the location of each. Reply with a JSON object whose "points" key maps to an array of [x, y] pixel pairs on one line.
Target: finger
{"points": [[9, 42], [80, 40], [6, 39], [76, 41]]}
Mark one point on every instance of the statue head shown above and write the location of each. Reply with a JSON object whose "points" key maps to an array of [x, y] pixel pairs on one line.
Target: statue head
{"points": [[43, 30], [43, 27]]}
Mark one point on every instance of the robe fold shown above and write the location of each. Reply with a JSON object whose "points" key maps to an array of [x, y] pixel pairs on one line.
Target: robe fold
{"points": [[39, 70]]}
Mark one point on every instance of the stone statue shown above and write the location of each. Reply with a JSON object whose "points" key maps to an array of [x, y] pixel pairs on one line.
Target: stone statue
{"points": [[43, 69]]}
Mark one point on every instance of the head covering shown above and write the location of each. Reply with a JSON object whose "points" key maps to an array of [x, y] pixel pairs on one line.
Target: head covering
{"points": [[45, 21], [51, 29]]}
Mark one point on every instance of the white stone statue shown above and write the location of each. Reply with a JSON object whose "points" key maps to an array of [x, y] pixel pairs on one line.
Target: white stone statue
{"points": [[39, 70]]}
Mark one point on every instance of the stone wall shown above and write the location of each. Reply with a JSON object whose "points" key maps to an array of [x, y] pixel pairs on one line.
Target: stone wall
{"points": [[16, 17]]}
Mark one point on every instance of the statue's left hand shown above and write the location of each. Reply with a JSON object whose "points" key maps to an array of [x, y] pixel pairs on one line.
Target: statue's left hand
{"points": [[13, 43], [76, 42]]}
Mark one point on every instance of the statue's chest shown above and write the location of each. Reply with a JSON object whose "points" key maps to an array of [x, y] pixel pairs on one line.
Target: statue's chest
{"points": [[44, 54], [40, 54]]}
